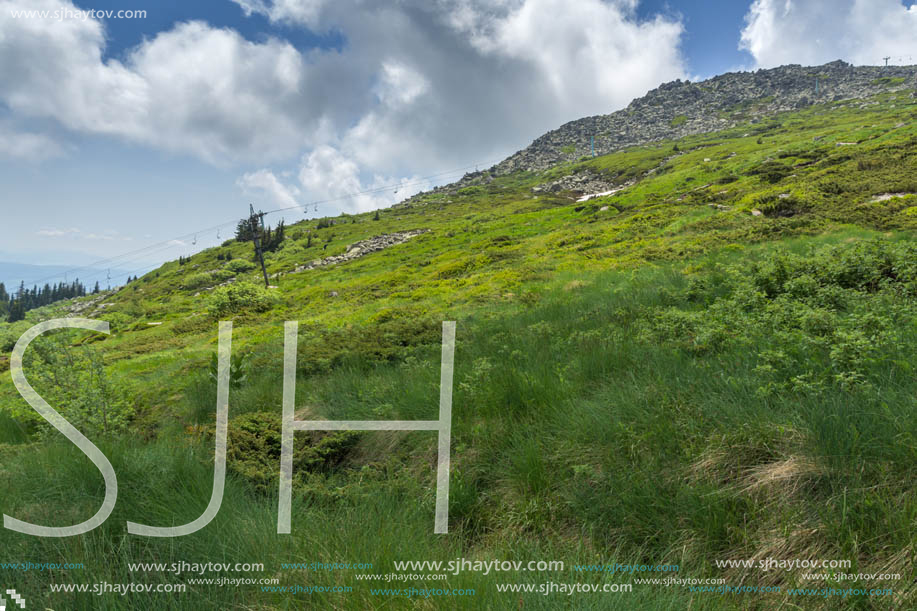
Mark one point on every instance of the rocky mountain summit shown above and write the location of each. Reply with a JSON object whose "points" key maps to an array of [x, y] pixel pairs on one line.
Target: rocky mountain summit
{"points": [[682, 108]]}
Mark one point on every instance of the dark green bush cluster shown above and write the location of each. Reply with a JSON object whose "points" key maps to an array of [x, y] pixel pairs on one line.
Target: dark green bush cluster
{"points": [[778, 206], [254, 445], [390, 336], [835, 316], [771, 171], [239, 266]]}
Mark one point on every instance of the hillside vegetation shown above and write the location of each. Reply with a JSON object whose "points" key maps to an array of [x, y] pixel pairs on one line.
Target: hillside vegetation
{"points": [[714, 362]]}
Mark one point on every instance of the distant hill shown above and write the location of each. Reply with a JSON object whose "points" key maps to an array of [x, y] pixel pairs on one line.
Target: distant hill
{"points": [[11, 274]]}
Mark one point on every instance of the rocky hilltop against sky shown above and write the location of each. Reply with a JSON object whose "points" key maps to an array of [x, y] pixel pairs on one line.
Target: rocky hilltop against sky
{"points": [[682, 108]]}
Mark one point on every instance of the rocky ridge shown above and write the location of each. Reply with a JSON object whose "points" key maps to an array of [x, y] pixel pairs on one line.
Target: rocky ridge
{"points": [[682, 108]]}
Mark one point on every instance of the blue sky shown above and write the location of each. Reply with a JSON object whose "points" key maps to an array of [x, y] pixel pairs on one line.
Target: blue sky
{"points": [[163, 14], [119, 134], [712, 32]]}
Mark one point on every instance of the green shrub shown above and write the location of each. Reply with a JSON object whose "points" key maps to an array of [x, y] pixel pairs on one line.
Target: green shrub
{"points": [[205, 279], [239, 297], [193, 324], [776, 206], [292, 248], [73, 379], [771, 171], [254, 444], [831, 317], [239, 266], [238, 369]]}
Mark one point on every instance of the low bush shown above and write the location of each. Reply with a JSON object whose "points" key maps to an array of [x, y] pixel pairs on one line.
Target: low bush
{"points": [[239, 266], [205, 279], [239, 297], [254, 446]]}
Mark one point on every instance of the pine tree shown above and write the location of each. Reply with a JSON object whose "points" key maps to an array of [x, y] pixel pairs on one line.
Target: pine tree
{"points": [[244, 230], [17, 312]]}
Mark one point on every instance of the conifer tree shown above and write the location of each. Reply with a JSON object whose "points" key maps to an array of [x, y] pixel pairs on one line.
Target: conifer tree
{"points": [[17, 312]]}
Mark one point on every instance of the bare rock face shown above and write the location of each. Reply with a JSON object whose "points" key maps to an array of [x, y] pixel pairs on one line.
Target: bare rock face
{"points": [[583, 182], [364, 247], [683, 108]]}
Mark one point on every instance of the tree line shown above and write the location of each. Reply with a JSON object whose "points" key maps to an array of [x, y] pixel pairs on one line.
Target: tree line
{"points": [[14, 307]]}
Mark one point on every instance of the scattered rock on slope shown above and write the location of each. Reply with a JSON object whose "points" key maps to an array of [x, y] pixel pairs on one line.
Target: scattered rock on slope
{"points": [[364, 247]]}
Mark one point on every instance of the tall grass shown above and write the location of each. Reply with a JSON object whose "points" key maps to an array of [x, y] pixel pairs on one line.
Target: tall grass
{"points": [[676, 415]]}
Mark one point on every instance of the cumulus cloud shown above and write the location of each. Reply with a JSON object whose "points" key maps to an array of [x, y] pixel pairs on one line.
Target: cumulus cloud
{"points": [[817, 31], [336, 180], [418, 86], [305, 12], [399, 84], [265, 183], [591, 54], [192, 89], [461, 80], [17, 144]]}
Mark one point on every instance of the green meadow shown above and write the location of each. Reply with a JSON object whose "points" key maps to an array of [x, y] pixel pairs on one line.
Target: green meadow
{"points": [[715, 363]]}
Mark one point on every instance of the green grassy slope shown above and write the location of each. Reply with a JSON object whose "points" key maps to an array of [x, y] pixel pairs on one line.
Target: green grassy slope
{"points": [[714, 363]]}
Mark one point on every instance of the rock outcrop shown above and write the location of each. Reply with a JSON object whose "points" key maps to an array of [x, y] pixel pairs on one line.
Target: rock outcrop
{"points": [[683, 108], [364, 247]]}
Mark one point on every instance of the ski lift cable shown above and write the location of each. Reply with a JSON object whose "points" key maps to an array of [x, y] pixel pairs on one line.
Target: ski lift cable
{"points": [[146, 250], [424, 180], [171, 242]]}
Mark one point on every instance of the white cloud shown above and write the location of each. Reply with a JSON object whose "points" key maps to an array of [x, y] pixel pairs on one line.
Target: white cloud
{"points": [[399, 84], [192, 89], [418, 85], [265, 183], [76, 233], [326, 174], [458, 81], [305, 12], [592, 54], [16, 144], [817, 31], [54, 232]]}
